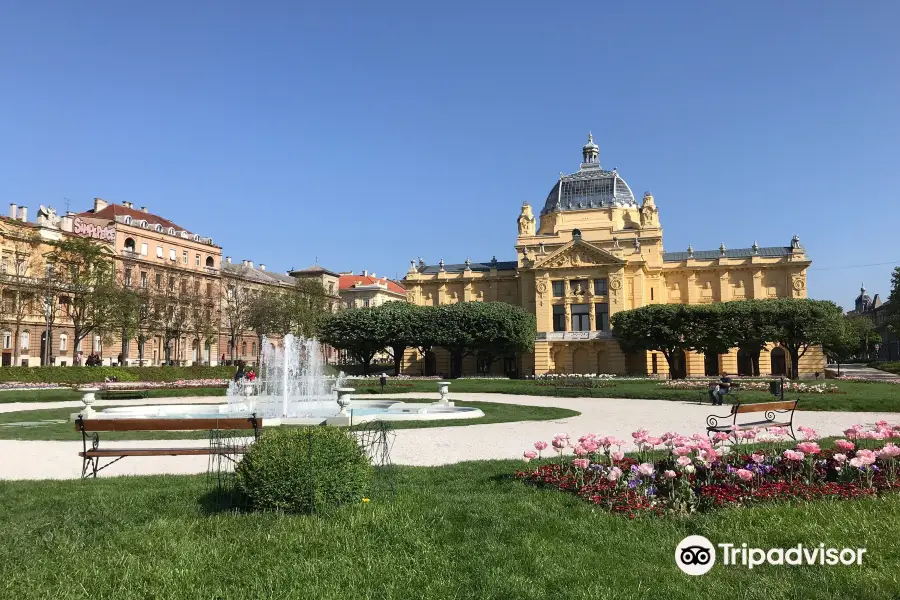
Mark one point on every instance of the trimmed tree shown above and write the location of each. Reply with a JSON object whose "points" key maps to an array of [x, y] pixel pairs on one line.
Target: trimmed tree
{"points": [[362, 333], [665, 328], [800, 324], [843, 341], [753, 323]]}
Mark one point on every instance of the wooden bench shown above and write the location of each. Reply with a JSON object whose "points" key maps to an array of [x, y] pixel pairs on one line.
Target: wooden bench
{"points": [[776, 414], [92, 427]]}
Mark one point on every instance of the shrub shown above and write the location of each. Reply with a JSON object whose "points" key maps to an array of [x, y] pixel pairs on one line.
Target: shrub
{"points": [[80, 375], [303, 470]]}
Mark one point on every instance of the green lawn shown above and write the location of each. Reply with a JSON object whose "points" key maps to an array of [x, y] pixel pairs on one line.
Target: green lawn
{"points": [[69, 394], [876, 396], [455, 532], [43, 427]]}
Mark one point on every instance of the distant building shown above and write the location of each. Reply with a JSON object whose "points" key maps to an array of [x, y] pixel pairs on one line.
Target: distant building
{"points": [[878, 311], [367, 291], [593, 251]]}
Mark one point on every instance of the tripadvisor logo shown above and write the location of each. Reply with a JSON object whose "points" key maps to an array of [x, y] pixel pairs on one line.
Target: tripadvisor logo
{"points": [[696, 555]]}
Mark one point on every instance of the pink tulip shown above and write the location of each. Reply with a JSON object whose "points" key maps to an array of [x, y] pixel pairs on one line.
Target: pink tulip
{"points": [[844, 445], [744, 474], [617, 456], [645, 469], [540, 445], [581, 463], [889, 451], [530, 454], [840, 458], [757, 458], [683, 461], [809, 448], [681, 451], [559, 444], [670, 474], [580, 450], [866, 457], [792, 455], [614, 473]]}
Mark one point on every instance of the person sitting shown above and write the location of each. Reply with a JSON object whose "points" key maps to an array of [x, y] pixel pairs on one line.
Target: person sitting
{"points": [[717, 392]]}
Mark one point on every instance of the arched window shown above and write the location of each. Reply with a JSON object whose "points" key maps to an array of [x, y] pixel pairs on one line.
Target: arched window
{"points": [[144, 224], [7, 340], [243, 348], [159, 228], [196, 238], [171, 231], [253, 349], [26, 339], [63, 342], [130, 244], [128, 220], [210, 262]]}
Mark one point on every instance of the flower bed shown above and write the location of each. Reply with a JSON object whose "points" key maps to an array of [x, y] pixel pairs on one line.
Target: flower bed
{"points": [[759, 386], [157, 385], [867, 380], [675, 474], [15, 385]]}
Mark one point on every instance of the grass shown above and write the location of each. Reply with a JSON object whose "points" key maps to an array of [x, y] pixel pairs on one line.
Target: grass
{"points": [[856, 396], [460, 531], [69, 394], [493, 413]]}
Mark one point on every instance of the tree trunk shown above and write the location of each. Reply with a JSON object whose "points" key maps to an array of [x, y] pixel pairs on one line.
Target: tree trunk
{"points": [[16, 359], [754, 358], [398, 358], [795, 362]]}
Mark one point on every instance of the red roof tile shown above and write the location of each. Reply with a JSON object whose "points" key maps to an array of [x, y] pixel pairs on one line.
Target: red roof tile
{"points": [[117, 210], [349, 281]]}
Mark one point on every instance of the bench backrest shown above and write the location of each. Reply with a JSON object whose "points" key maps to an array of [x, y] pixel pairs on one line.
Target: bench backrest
{"points": [[167, 424], [765, 406]]}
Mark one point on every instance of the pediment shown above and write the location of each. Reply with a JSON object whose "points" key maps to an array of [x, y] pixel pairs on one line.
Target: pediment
{"points": [[578, 253]]}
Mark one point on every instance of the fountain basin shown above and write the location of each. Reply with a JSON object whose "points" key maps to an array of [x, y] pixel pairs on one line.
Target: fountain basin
{"points": [[362, 411]]}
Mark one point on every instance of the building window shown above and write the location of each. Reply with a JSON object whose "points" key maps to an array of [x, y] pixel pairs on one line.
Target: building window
{"points": [[4, 264], [158, 228], [210, 263], [129, 245], [7, 340], [330, 287], [209, 289], [63, 342], [172, 254], [171, 283], [79, 345], [159, 252], [366, 303], [26, 339], [143, 248], [184, 257], [601, 316], [197, 258], [143, 279], [581, 317], [559, 317], [253, 348], [127, 220], [127, 277], [600, 287], [158, 280], [559, 289], [96, 343], [654, 359], [243, 348], [171, 231]]}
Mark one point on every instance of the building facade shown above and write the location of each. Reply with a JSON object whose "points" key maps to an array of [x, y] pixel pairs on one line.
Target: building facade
{"points": [[365, 290], [595, 250], [879, 312]]}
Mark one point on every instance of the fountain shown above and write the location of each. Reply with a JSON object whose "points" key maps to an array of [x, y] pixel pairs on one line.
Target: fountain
{"points": [[293, 389]]}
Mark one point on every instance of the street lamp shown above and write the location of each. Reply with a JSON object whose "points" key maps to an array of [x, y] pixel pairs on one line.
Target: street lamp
{"points": [[48, 312]]}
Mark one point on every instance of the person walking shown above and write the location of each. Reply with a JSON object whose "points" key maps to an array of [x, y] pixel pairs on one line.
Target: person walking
{"points": [[239, 374]]}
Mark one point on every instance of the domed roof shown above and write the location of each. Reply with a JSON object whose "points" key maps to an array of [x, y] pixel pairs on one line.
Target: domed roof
{"points": [[590, 187], [863, 301]]}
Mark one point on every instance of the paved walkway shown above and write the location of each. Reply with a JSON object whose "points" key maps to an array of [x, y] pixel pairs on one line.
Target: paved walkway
{"points": [[430, 446], [862, 371]]}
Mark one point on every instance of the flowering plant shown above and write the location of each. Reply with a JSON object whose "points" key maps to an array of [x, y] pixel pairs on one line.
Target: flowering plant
{"points": [[677, 474]]}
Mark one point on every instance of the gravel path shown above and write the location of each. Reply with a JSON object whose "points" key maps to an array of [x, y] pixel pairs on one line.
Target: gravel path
{"points": [[425, 447]]}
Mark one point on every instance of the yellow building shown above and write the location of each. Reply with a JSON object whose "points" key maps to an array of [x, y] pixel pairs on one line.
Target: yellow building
{"points": [[594, 251]]}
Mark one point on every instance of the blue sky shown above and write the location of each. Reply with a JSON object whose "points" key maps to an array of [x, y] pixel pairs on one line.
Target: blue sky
{"points": [[367, 134]]}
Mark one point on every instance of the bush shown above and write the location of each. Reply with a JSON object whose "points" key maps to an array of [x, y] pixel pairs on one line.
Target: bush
{"points": [[80, 375], [304, 470], [890, 367]]}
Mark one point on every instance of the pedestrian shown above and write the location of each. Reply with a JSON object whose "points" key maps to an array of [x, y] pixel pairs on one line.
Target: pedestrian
{"points": [[239, 374], [717, 392], [383, 380]]}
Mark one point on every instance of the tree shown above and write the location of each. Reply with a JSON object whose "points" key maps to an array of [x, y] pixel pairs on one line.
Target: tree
{"points": [[21, 279], [843, 341], [402, 328], [362, 333], [236, 308], [501, 330], [665, 328], [800, 324], [866, 335], [893, 310], [267, 315], [85, 276], [307, 305], [753, 327], [714, 328]]}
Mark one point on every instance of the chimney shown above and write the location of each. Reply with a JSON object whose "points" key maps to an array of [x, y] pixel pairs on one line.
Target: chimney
{"points": [[13, 211], [365, 273], [144, 209], [228, 259], [100, 204], [23, 213], [262, 267], [373, 273]]}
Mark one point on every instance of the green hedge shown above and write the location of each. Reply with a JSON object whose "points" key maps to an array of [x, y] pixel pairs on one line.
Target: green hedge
{"points": [[890, 367], [78, 375]]}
